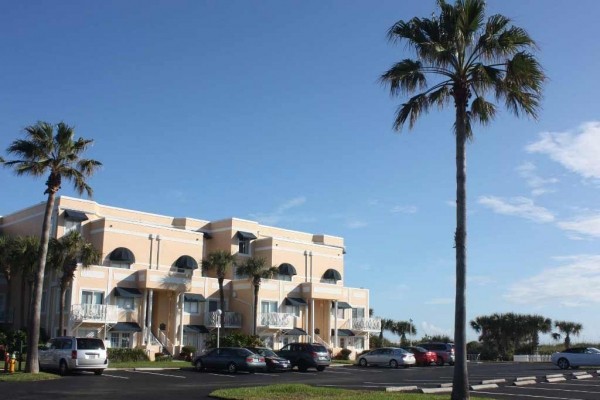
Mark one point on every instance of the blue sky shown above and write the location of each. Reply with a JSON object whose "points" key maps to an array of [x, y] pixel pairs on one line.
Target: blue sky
{"points": [[272, 111]]}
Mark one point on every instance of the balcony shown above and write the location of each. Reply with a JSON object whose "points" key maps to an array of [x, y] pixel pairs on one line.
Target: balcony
{"points": [[232, 320], [366, 324], [94, 313], [276, 320]]}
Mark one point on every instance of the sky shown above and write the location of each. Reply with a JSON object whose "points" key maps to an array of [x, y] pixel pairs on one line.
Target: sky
{"points": [[272, 111]]}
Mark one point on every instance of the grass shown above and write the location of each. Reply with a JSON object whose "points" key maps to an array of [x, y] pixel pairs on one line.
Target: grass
{"points": [[150, 364], [350, 362], [26, 377], [306, 392]]}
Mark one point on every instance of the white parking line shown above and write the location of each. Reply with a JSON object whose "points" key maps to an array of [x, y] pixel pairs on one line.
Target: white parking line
{"points": [[115, 376], [262, 373], [553, 389], [339, 372], [570, 384], [156, 373], [226, 376], [525, 395]]}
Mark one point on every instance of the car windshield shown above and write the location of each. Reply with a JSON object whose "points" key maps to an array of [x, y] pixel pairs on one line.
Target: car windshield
{"points": [[319, 349], [593, 350], [419, 349], [265, 352]]}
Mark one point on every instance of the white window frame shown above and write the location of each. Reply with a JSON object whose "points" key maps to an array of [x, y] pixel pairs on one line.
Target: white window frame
{"points": [[121, 338], [270, 303], [295, 310], [120, 264], [355, 313], [125, 303], [244, 247], [191, 307], [94, 295], [71, 226]]}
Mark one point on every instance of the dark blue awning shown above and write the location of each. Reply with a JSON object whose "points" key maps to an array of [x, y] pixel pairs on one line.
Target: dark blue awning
{"points": [[186, 262], [332, 274], [295, 332], [122, 254], [195, 329], [295, 301], [193, 297], [127, 292], [126, 327], [245, 235], [342, 305], [342, 332], [73, 215], [287, 269]]}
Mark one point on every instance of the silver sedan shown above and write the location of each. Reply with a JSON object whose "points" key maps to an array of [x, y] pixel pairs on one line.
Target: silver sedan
{"points": [[387, 356], [576, 357]]}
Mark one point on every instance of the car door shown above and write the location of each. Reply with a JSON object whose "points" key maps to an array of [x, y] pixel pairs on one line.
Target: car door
{"points": [[373, 357], [225, 357], [45, 354]]}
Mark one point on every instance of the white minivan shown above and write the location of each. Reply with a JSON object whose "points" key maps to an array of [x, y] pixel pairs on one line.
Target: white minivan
{"points": [[68, 353]]}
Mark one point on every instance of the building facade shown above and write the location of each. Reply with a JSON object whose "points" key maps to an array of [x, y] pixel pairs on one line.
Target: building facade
{"points": [[149, 289]]}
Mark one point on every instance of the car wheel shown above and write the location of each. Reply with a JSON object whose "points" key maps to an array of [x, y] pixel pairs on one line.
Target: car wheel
{"points": [[98, 372], [232, 368], [198, 366], [394, 364], [63, 369], [563, 363], [362, 362], [439, 361], [320, 368]]}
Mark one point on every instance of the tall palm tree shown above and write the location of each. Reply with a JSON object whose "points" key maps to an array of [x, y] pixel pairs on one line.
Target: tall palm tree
{"points": [[221, 261], [568, 328], [52, 150], [64, 255], [402, 328], [468, 57], [256, 268], [538, 324]]}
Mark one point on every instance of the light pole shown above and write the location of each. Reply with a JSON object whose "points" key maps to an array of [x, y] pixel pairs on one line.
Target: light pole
{"points": [[219, 312]]}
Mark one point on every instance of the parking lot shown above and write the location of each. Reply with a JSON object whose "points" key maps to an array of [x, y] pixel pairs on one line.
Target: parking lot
{"points": [[164, 384]]}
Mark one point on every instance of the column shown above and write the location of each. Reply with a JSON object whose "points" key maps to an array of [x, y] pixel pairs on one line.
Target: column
{"points": [[181, 300], [335, 327], [312, 318]]}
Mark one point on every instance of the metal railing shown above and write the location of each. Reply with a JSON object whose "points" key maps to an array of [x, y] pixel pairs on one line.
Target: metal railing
{"points": [[165, 342], [366, 324], [320, 340], [531, 357], [276, 320], [94, 313], [232, 319]]}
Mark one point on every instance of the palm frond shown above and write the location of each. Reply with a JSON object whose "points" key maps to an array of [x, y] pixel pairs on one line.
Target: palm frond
{"points": [[482, 111], [404, 77]]}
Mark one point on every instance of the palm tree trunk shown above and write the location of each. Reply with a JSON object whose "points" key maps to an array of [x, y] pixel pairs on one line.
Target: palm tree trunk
{"points": [[7, 304], [33, 336], [222, 301], [23, 302], [61, 307], [460, 387], [255, 311]]}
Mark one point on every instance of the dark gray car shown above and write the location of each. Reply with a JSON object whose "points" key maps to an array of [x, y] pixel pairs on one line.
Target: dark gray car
{"points": [[232, 359], [306, 355]]}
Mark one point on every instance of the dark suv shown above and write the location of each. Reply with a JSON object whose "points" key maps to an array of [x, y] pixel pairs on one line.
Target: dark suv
{"points": [[444, 351], [306, 355]]}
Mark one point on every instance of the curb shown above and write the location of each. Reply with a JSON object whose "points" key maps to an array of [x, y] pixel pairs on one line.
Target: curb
{"points": [[486, 386], [400, 388], [435, 390], [524, 383]]}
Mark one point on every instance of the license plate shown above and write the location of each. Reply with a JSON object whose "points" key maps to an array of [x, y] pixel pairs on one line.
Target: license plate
{"points": [[92, 356], [322, 358]]}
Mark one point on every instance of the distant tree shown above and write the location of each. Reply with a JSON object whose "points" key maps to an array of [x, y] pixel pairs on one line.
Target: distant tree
{"points": [[220, 261], [402, 328], [567, 329], [468, 57], [256, 268], [386, 325], [64, 255], [436, 338], [58, 155]]}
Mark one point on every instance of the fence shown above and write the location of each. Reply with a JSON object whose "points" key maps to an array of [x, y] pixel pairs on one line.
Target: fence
{"points": [[531, 358]]}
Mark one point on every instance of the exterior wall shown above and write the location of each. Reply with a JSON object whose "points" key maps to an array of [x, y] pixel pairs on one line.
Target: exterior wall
{"points": [[157, 241]]}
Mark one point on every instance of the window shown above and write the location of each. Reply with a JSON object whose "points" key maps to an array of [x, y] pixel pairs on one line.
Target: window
{"points": [[120, 339], [268, 306], [359, 343], [88, 333], [293, 310], [358, 313], [213, 305], [244, 247], [342, 342], [120, 264], [126, 303], [91, 297], [71, 226], [192, 307], [340, 312], [284, 277]]}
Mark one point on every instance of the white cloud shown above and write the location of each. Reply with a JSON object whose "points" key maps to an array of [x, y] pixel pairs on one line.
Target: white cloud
{"points": [[355, 224], [575, 283], [538, 185], [440, 301], [577, 151], [480, 280], [276, 216], [404, 209], [588, 225], [517, 206]]}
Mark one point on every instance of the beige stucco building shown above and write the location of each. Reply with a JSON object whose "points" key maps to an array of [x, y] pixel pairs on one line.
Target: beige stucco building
{"points": [[150, 291]]}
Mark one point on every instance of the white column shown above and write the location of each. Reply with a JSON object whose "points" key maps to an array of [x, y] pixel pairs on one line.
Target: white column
{"points": [[306, 317], [312, 319], [144, 317], [335, 328], [181, 300], [150, 300]]}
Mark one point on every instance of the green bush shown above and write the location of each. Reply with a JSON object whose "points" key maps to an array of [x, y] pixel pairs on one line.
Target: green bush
{"points": [[235, 339], [186, 353], [163, 357], [344, 354], [127, 355]]}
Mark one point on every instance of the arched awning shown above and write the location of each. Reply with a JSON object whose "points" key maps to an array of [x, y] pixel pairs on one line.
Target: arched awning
{"points": [[332, 274], [287, 269], [122, 254], [186, 262]]}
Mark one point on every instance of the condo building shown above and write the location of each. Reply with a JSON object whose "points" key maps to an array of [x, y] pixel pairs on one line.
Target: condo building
{"points": [[149, 289]]}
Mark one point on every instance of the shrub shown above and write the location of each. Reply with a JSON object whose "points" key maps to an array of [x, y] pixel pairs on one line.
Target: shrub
{"points": [[127, 355], [186, 353], [235, 339], [163, 357], [344, 354]]}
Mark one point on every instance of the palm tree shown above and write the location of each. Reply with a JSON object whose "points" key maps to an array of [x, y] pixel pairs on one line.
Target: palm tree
{"points": [[64, 255], [221, 261], [59, 155], [468, 57], [402, 328], [256, 268], [537, 324], [28, 248], [8, 268], [568, 328], [386, 325]]}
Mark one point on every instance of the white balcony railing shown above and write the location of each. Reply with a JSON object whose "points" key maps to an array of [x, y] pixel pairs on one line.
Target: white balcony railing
{"points": [[366, 324], [94, 313], [232, 319], [276, 320]]}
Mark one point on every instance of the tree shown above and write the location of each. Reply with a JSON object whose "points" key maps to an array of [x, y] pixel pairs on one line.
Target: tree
{"points": [[28, 248], [468, 58], [8, 267], [256, 268], [64, 255], [538, 324], [221, 261], [567, 329], [402, 328], [386, 325], [58, 155]]}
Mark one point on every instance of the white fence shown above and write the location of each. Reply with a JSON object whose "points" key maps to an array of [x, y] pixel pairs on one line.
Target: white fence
{"points": [[531, 358]]}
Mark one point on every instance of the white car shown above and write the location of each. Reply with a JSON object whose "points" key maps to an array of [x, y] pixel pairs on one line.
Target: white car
{"points": [[387, 356], [576, 357], [68, 353]]}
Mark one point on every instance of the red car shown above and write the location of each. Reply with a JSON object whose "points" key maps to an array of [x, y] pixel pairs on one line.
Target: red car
{"points": [[422, 356]]}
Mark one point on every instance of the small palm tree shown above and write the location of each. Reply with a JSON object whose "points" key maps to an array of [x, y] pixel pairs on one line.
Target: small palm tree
{"points": [[256, 268], [220, 261], [64, 255], [468, 57], [27, 249], [9, 261], [386, 325], [567, 329], [402, 328], [49, 150]]}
